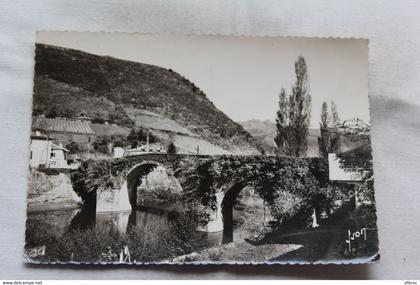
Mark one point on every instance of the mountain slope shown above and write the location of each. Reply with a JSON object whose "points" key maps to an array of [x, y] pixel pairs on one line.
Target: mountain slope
{"points": [[70, 83], [354, 133], [265, 131]]}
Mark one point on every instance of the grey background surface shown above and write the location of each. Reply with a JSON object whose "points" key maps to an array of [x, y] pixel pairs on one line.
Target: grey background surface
{"points": [[393, 28]]}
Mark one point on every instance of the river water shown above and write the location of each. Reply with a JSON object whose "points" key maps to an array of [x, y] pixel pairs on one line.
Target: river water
{"points": [[247, 213]]}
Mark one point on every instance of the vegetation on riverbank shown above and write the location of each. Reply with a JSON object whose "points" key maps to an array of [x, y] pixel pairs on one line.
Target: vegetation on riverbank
{"points": [[156, 241]]}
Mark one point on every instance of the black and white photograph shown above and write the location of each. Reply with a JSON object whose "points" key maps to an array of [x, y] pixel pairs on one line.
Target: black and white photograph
{"points": [[200, 149]]}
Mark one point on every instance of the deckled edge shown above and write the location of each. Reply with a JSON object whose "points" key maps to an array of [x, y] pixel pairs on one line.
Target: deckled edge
{"points": [[357, 261], [210, 34]]}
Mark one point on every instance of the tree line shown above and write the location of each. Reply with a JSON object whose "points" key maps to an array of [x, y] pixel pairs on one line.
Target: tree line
{"points": [[294, 115]]}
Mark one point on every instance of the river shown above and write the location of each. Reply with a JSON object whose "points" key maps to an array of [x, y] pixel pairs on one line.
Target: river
{"points": [[47, 227]]}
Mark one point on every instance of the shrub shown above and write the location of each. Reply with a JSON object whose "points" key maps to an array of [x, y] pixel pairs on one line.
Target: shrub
{"points": [[171, 148], [86, 245], [285, 205], [73, 147], [362, 217]]}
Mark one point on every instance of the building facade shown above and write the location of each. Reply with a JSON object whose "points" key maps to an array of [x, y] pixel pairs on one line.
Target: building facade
{"points": [[45, 154]]}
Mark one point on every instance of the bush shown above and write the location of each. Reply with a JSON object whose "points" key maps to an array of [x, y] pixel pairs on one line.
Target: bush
{"points": [[285, 205], [362, 217], [87, 245], [160, 239], [171, 148], [73, 147]]}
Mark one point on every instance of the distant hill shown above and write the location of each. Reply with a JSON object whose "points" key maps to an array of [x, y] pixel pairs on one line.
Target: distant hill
{"points": [[265, 131], [354, 133], [71, 83]]}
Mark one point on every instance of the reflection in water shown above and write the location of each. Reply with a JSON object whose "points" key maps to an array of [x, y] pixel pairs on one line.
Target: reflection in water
{"points": [[53, 223], [248, 216], [58, 223]]}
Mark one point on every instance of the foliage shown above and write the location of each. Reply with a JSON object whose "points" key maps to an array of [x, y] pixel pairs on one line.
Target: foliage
{"points": [[329, 139], [85, 245], [323, 140], [161, 186], [366, 193], [254, 219], [102, 144], [37, 233], [171, 148], [294, 114], [362, 217], [93, 175], [285, 205], [72, 147], [306, 180], [138, 134], [334, 114], [194, 176], [153, 242], [39, 183]]}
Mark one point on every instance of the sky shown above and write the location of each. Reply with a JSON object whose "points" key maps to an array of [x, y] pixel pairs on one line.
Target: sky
{"points": [[243, 76]]}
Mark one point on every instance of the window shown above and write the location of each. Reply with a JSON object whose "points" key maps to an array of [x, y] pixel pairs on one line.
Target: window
{"points": [[52, 155]]}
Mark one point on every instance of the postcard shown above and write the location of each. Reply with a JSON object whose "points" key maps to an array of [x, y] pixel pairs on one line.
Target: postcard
{"points": [[200, 149]]}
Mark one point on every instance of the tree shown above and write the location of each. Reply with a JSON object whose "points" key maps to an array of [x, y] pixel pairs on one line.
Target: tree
{"points": [[171, 148], [324, 139], [138, 134], [294, 114], [72, 147], [329, 139], [334, 113]]}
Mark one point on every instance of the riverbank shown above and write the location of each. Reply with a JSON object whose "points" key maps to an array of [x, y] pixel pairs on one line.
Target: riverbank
{"points": [[240, 251], [51, 192], [52, 206]]}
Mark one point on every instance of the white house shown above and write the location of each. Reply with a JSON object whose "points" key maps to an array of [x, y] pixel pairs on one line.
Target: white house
{"points": [[44, 153]]}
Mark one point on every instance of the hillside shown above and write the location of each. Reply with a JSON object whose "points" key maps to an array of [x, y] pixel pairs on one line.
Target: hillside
{"points": [[265, 131], [71, 83], [354, 133]]}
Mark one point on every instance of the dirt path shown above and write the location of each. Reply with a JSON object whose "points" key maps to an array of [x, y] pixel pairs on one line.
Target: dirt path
{"points": [[317, 244], [241, 251]]}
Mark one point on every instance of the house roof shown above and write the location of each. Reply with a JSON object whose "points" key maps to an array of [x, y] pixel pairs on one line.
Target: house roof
{"points": [[62, 125]]}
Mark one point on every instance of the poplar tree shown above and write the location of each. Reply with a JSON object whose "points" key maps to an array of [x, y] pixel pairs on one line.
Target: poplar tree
{"points": [[328, 142], [324, 139], [294, 114]]}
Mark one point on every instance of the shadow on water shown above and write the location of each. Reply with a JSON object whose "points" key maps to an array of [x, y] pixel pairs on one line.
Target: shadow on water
{"points": [[60, 223], [120, 222]]}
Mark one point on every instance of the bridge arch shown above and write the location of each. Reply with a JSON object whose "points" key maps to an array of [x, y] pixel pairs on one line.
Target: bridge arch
{"points": [[229, 198], [222, 220], [133, 177]]}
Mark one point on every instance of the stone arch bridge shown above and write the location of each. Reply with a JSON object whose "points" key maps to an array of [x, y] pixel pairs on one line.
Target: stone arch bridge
{"points": [[219, 178]]}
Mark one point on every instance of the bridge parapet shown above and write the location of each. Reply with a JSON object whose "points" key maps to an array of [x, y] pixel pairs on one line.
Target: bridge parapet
{"points": [[115, 181]]}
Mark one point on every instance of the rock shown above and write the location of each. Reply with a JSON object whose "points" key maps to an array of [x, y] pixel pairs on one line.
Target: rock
{"points": [[51, 192]]}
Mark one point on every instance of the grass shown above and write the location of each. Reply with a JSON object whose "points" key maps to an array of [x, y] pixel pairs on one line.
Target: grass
{"points": [[158, 240]]}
